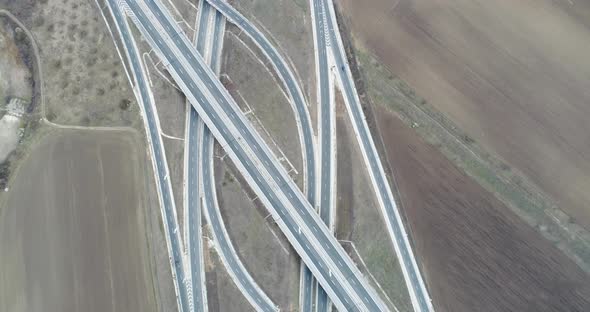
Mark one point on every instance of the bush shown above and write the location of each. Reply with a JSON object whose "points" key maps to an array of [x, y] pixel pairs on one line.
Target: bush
{"points": [[4, 174], [19, 35], [125, 104], [467, 139]]}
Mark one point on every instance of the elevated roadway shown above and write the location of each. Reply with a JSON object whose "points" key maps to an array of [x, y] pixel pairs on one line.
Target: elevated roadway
{"points": [[192, 184], [210, 31], [325, 165], [292, 87], [247, 285], [327, 144], [294, 215]]}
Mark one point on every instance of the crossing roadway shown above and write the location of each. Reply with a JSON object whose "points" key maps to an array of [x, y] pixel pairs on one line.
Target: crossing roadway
{"points": [[327, 148], [295, 216], [324, 187], [291, 84], [193, 204], [210, 30]]}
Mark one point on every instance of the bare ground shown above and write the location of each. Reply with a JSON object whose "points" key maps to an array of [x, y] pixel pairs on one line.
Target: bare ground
{"points": [[175, 156], [72, 234], [169, 101], [222, 292], [254, 89], [513, 75], [359, 218], [264, 250], [287, 24]]}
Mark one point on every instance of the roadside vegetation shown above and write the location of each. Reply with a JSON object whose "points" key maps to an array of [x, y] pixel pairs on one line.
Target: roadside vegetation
{"points": [[17, 60], [85, 84], [509, 185]]}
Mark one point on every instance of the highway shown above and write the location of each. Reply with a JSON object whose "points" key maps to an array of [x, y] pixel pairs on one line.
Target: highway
{"points": [[151, 123], [211, 25], [416, 287], [327, 140], [290, 209], [192, 192], [326, 163], [291, 84]]}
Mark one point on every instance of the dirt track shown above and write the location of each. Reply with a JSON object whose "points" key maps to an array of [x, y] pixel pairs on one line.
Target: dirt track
{"points": [[513, 74], [72, 234], [477, 255]]}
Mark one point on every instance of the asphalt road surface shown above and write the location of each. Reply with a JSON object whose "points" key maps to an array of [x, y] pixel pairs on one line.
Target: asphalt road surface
{"points": [[193, 185], [330, 264], [326, 146], [203, 157], [416, 287], [165, 190]]}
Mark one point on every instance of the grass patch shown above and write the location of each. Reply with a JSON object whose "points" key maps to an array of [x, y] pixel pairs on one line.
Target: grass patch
{"points": [[377, 257]]}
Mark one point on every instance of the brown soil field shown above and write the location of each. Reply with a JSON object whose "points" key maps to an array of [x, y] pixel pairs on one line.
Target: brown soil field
{"points": [[72, 228], [476, 255], [512, 74]]}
